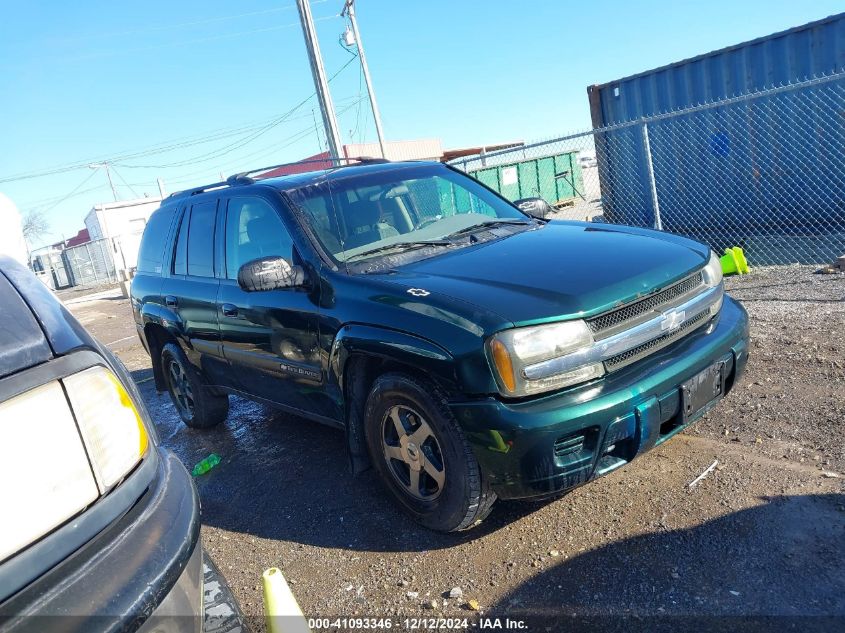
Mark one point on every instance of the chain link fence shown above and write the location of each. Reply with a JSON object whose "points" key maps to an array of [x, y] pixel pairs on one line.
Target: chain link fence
{"points": [[90, 264], [764, 171]]}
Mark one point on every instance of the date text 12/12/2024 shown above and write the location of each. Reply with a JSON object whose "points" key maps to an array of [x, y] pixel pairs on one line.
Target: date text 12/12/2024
{"points": [[417, 624]]}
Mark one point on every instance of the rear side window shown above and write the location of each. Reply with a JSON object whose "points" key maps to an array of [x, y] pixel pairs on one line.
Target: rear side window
{"points": [[151, 251], [195, 244], [201, 240]]}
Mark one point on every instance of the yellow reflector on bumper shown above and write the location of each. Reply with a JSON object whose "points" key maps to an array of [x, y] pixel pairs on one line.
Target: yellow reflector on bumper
{"points": [[110, 425]]}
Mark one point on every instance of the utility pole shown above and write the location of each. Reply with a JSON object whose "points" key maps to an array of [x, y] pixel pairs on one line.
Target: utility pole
{"points": [[349, 9], [161, 189], [320, 82], [108, 175]]}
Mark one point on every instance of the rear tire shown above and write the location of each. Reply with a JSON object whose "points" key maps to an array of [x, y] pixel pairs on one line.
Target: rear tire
{"points": [[194, 400], [422, 456]]}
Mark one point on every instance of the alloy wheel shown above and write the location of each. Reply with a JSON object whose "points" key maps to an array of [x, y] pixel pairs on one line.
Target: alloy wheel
{"points": [[413, 453], [180, 387]]}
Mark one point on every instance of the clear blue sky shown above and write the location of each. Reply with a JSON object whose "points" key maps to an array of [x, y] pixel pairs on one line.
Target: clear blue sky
{"points": [[92, 80]]}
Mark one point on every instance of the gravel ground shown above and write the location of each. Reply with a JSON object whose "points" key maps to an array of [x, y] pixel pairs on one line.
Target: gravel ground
{"points": [[762, 534]]}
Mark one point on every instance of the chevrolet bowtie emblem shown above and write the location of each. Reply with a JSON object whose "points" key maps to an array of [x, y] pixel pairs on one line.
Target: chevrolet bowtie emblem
{"points": [[418, 292], [672, 320]]}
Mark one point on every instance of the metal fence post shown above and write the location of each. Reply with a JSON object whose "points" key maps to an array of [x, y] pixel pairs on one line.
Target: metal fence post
{"points": [[658, 223], [91, 260]]}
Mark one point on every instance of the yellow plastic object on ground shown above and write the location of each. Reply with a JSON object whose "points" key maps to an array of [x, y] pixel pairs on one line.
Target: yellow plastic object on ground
{"points": [[281, 611], [734, 262]]}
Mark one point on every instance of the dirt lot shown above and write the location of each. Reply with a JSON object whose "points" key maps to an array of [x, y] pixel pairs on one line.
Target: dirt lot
{"points": [[762, 534]]}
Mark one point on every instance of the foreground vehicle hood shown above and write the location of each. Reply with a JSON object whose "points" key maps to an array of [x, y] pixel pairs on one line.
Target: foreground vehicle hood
{"points": [[563, 269]]}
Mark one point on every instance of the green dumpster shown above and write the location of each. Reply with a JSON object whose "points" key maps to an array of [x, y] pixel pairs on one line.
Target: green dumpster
{"points": [[557, 179]]}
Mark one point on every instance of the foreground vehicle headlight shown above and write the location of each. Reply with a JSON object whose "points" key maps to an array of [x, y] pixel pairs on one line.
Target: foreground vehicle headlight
{"points": [[110, 425], [63, 444], [712, 274], [519, 357], [45, 471]]}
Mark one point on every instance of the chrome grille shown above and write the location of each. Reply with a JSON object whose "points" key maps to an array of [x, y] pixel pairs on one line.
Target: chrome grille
{"points": [[632, 355], [633, 311]]}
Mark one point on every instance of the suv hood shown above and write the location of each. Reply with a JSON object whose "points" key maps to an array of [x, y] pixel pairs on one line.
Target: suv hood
{"points": [[559, 270]]}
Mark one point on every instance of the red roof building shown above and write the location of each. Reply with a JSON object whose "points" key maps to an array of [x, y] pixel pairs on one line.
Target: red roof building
{"points": [[79, 238]]}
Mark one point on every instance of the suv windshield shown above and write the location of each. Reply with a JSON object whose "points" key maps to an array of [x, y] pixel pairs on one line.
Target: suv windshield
{"points": [[362, 215]]}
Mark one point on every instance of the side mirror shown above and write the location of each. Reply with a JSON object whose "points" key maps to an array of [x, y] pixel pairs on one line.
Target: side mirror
{"points": [[269, 273], [535, 207]]}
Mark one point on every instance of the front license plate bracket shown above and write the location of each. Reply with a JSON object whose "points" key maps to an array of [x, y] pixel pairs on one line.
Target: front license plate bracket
{"points": [[702, 390]]}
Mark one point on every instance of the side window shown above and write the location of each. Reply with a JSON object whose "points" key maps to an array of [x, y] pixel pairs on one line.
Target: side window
{"points": [[151, 251], [201, 239], [253, 230]]}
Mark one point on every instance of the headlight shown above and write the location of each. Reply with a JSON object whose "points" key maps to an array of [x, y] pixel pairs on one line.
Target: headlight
{"points": [[713, 277], [43, 465], [62, 445], [521, 357], [108, 422], [713, 271]]}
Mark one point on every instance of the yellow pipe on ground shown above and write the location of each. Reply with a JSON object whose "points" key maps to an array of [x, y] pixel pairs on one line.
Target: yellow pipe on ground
{"points": [[281, 611]]}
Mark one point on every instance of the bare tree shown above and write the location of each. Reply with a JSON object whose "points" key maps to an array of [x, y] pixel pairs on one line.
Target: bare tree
{"points": [[34, 226]]}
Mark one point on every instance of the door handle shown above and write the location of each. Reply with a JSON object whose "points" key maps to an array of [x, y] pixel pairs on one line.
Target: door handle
{"points": [[229, 310], [170, 301]]}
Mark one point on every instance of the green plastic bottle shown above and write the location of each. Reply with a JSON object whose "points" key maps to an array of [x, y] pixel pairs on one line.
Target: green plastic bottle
{"points": [[205, 465]]}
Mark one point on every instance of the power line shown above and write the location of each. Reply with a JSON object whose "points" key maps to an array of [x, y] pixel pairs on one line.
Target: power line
{"points": [[45, 202], [134, 193], [241, 142], [358, 111], [267, 150], [227, 149], [165, 147], [71, 193], [148, 151], [248, 129]]}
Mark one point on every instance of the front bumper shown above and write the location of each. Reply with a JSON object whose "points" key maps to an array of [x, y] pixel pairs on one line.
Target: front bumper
{"points": [[143, 571], [550, 444]]}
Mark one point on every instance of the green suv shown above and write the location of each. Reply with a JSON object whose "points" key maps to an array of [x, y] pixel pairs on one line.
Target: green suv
{"points": [[468, 350]]}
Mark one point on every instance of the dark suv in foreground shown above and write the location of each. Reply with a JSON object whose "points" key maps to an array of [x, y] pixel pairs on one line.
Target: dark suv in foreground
{"points": [[468, 350], [99, 526]]}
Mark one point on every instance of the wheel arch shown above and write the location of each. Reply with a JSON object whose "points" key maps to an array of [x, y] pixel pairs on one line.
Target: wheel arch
{"points": [[157, 336], [362, 353], [160, 326]]}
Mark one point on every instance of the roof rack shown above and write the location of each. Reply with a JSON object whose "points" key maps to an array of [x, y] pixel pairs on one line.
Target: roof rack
{"points": [[196, 190], [244, 177]]}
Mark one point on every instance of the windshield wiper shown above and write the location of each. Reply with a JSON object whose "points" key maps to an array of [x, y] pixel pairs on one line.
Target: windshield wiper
{"points": [[395, 245], [484, 225]]}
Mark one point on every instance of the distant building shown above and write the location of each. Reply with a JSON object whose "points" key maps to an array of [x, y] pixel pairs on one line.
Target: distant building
{"points": [[111, 219], [80, 238], [420, 149], [122, 223]]}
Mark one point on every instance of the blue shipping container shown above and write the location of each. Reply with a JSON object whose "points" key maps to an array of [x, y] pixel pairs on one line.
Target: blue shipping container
{"points": [[815, 49], [768, 166]]}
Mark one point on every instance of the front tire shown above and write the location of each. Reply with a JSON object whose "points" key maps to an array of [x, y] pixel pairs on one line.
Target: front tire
{"points": [[198, 407], [422, 456]]}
